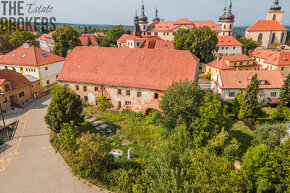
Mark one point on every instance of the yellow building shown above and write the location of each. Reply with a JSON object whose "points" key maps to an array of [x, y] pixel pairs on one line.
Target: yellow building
{"points": [[233, 62]]}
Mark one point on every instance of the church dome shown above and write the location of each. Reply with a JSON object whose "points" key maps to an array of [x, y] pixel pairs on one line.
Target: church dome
{"points": [[227, 17], [276, 8]]}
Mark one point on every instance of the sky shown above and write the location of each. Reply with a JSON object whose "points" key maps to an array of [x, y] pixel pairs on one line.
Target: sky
{"points": [[115, 12]]}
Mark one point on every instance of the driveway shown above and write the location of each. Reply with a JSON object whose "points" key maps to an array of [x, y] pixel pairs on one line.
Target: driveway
{"points": [[28, 164]]}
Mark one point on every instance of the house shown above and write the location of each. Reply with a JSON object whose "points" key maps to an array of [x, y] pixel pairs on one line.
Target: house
{"points": [[167, 29], [15, 89], [132, 79], [233, 62], [230, 83], [273, 60], [269, 31], [46, 42], [33, 61], [228, 45], [85, 38]]}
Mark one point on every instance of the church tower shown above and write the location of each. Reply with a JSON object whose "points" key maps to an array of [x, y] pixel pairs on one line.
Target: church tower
{"points": [[143, 21], [156, 18], [275, 13], [136, 30], [227, 21]]}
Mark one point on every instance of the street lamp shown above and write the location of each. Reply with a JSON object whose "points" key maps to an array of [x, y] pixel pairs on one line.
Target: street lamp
{"points": [[2, 94]]}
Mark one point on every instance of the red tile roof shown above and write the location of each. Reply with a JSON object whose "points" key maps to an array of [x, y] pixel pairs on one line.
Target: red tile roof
{"points": [[45, 36], [141, 68], [126, 37], [222, 63], [228, 41], [16, 79], [1, 53], [273, 57], [84, 40], [32, 56], [161, 44], [170, 25], [267, 25], [100, 34], [239, 79]]}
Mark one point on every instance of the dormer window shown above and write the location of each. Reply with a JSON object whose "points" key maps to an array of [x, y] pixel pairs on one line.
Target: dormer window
{"points": [[262, 82], [23, 55], [13, 55]]}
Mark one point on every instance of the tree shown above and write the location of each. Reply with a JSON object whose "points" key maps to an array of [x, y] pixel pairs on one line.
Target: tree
{"points": [[212, 118], [110, 40], [281, 113], [285, 92], [93, 156], [68, 138], [237, 103], [85, 30], [65, 107], [180, 103], [201, 42], [12, 37], [103, 104], [267, 170], [89, 42], [270, 135], [248, 44], [250, 108], [65, 39]]}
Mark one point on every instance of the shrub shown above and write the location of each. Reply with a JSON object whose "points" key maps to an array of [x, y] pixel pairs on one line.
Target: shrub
{"points": [[103, 104], [69, 134], [282, 113]]}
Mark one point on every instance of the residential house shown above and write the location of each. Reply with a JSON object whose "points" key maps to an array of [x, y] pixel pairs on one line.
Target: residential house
{"points": [[232, 62], [15, 89], [228, 45], [33, 61], [273, 60], [132, 79], [46, 42], [230, 83], [85, 39]]}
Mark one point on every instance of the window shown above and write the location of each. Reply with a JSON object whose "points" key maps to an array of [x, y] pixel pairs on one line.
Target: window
{"points": [[273, 38], [222, 48], [260, 37], [46, 68], [156, 95], [128, 93], [56, 76], [6, 67], [44, 55], [96, 88], [23, 55], [13, 55], [128, 103], [241, 63], [230, 26], [85, 88], [234, 48], [273, 94], [77, 87], [235, 64], [232, 94], [282, 68], [7, 87], [119, 91], [139, 94], [5, 100], [21, 94], [47, 82], [86, 98], [138, 44], [274, 17], [282, 37], [227, 48]]}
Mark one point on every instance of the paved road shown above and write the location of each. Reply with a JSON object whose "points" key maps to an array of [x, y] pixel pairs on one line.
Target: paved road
{"points": [[28, 164]]}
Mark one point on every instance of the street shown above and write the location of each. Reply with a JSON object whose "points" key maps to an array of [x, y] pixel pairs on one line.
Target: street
{"points": [[28, 163]]}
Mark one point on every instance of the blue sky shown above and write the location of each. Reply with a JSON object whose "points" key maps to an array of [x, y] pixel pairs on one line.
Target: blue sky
{"points": [[247, 12]]}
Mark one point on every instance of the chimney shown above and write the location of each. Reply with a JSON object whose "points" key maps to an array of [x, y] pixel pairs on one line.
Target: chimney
{"points": [[27, 44]]}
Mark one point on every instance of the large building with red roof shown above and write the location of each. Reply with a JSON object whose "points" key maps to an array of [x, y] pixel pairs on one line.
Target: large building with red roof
{"points": [[273, 60], [269, 31], [230, 83], [131, 79], [35, 62], [167, 29], [46, 42], [232, 62], [228, 45]]}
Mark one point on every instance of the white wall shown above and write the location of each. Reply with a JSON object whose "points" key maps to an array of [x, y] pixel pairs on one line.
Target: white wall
{"points": [[229, 50], [27, 70]]}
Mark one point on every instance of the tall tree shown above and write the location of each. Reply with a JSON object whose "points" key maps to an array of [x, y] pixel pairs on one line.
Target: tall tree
{"points": [[285, 92], [201, 42], [212, 118], [250, 108], [89, 43], [110, 40], [180, 103], [65, 39], [65, 107]]}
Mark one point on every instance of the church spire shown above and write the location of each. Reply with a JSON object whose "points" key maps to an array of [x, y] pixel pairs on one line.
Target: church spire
{"points": [[276, 6], [136, 30], [143, 18], [225, 8], [156, 18], [230, 7]]}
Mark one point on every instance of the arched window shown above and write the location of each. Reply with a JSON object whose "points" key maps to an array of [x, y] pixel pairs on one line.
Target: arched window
{"points": [[144, 27], [260, 38], [273, 38], [230, 26], [282, 37], [274, 17], [224, 26]]}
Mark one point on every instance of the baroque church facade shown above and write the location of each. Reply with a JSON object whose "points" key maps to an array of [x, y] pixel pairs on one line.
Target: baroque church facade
{"points": [[167, 29]]}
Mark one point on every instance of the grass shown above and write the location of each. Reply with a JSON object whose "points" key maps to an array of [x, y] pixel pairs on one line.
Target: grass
{"points": [[10, 128]]}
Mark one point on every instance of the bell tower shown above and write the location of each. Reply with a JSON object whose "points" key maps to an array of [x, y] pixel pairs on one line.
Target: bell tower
{"points": [[275, 12], [143, 20], [227, 21]]}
